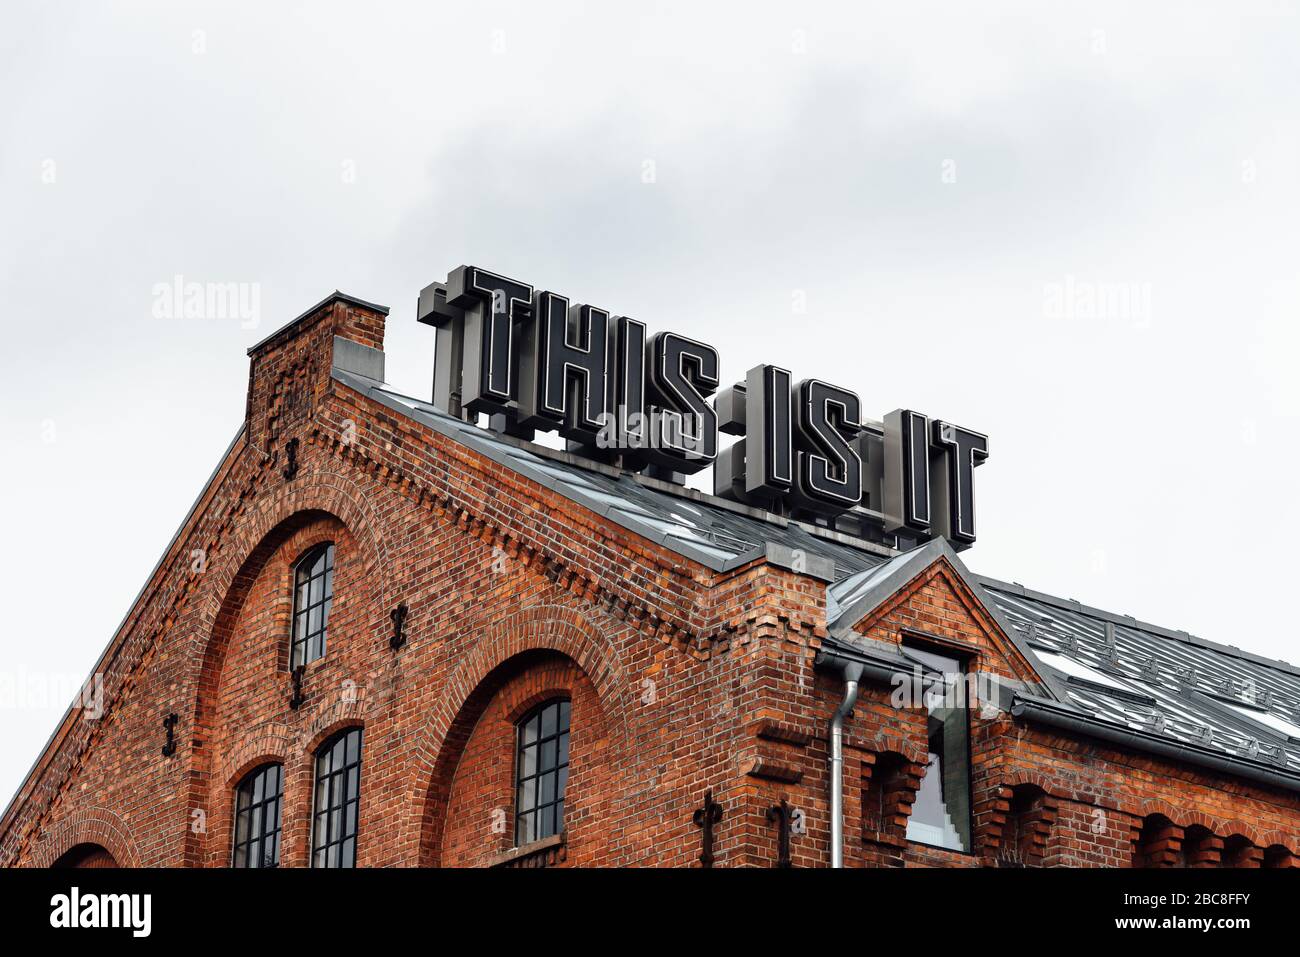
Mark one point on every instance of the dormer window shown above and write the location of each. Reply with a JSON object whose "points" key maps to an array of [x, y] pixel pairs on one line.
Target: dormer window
{"points": [[313, 595]]}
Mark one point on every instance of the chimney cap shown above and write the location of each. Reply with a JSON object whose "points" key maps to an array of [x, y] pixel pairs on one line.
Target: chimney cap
{"points": [[335, 296]]}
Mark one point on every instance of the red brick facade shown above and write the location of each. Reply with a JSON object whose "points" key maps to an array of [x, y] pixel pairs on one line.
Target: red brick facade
{"points": [[682, 681]]}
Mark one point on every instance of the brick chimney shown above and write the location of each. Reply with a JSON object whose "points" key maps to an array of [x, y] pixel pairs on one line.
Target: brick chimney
{"points": [[289, 370]]}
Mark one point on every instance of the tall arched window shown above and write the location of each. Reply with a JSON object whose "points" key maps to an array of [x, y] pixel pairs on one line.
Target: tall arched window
{"points": [[313, 594], [541, 771], [337, 800], [258, 802]]}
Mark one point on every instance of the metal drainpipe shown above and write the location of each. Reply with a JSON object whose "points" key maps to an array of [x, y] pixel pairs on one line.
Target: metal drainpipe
{"points": [[852, 674]]}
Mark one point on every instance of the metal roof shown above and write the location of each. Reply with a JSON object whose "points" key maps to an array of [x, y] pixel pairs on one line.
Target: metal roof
{"points": [[1101, 668], [720, 535], [1181, 689]]}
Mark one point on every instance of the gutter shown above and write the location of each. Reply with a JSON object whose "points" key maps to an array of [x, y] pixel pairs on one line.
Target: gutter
{"points": [[1052, 716]]}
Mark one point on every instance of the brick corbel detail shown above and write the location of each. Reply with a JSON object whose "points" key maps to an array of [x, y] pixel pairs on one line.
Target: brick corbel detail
{"points": [[887, 826], [992, 813], [1162, 849]]}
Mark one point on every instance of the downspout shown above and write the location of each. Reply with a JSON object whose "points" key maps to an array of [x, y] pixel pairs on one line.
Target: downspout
{"points": [[852, 672]]}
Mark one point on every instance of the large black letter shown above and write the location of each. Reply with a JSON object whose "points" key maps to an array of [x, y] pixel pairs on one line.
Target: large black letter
{"points": [[493, 306], [683, 426], [828, 474], [907, 471], [562, 368], [769, 456], [955, 485]]}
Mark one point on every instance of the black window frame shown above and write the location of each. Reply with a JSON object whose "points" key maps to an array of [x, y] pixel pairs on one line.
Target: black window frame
{"points": [[304, 639], [258, 811], [330, 814], [537, 819]]}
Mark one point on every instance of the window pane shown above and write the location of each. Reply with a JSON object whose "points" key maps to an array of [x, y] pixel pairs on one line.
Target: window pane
{"points": [[550, 716], [528, 794], [527, 762], [530, 730]]}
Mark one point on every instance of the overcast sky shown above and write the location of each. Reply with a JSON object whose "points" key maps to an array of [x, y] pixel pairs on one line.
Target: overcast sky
{"points": [[1073, 230]]}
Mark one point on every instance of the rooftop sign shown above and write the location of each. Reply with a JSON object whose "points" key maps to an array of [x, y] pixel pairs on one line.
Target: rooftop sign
{"points": [[532, 360]]}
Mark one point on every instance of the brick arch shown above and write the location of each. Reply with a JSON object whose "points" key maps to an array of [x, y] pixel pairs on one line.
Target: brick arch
{"points": [[272, 742], [1238, 828], [232, 572], [96, 825], [1278, 838], [334, 716], [1015, 779], [470, 687], [1180, 816]]}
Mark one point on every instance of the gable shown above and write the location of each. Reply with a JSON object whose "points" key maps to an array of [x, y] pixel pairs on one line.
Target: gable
{"points": [[928, 596]]}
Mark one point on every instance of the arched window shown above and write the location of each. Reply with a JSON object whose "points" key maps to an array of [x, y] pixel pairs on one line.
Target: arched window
{"points": [[258, 802], [541, 771], [336, 802], [313, 594]]}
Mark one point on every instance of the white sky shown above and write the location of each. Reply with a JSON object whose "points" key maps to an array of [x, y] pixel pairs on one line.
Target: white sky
{"points": [[1142, 460]]}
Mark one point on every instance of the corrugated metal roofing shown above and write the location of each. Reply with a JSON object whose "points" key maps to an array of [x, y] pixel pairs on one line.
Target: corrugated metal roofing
{"points": [[1142, 678], [1106, 668]]}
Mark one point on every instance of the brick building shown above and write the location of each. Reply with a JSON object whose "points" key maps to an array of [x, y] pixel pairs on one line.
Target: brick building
{"points": [[386, 636]]}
